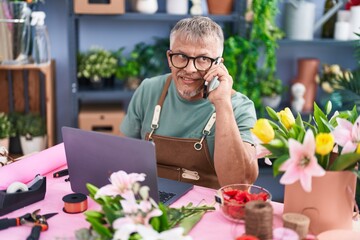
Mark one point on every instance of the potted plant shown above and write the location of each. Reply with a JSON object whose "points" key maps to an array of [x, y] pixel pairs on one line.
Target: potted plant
{"points": [[271, 88], [128, 69], [97, 65], [317, 157], [31, 128], [7, 130], [242, 53], [145, 60]]}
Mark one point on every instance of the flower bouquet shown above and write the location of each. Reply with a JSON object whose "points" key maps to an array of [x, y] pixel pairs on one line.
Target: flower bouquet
{"points": [[309, 150], [127, 212]]}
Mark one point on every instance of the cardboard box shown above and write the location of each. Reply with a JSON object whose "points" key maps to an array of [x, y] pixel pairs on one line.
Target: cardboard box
{"points": [[105, 119], [112, 7]]}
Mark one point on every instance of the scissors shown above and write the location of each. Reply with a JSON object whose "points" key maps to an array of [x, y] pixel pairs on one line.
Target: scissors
{"points": [[37, 221]]}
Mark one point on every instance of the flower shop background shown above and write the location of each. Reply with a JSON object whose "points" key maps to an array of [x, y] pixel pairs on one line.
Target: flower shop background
{"points": [[112, 34]]}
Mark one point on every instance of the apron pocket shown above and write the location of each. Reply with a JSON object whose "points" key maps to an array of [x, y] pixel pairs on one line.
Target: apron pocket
{"points": [[169, 172]]}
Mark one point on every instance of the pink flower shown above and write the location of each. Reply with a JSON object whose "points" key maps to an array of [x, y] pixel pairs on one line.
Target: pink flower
{"points": [[302, 164], [347, 135], [121, 183], [261, 151]]}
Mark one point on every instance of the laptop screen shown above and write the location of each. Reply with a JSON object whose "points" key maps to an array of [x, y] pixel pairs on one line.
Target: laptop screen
{"points": [[93, 156]]}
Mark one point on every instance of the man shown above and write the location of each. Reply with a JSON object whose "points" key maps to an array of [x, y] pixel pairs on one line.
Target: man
{"points": [[194, 144]]}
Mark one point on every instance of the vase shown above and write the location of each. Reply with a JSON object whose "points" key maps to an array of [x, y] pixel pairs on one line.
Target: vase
{"points": [[307, 69], [15, 32], [5, 143], [272, 102], [147, 6], [177, 6], [329, 205], [33, 144], [217, 7]]}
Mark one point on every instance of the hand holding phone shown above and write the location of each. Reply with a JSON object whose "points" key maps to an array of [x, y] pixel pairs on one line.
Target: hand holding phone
{"points": [[214, 83]]}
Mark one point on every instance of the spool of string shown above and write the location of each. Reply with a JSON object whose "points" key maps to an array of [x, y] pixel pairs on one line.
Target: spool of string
{"points": [[259, 219], [75, 203], [297, 222]]}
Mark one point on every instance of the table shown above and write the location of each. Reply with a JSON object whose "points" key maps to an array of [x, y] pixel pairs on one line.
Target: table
{"points": [[213, 226]]}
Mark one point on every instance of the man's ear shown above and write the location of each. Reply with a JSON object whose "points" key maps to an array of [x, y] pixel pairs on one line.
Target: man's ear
{"points": [[168, 58]]}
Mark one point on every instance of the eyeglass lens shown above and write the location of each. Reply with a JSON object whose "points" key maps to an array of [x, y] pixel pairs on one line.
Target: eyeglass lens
{"points": [[201, 63]]}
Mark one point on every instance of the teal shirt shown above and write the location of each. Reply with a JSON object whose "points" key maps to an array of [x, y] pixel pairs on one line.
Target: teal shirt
{"points": [[179, 117]]}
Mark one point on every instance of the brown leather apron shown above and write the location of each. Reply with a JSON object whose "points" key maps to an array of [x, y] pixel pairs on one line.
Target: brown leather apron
{"points": [[183, 159]]}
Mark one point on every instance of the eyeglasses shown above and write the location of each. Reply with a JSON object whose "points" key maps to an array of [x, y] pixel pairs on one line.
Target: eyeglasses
{"points": [[201, 63]]}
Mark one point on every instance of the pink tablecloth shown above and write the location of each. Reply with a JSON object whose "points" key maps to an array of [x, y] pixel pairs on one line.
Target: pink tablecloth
{"points": [[213, 226]]}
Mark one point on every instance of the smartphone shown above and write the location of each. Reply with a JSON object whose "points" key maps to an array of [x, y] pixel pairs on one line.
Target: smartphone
{"points": [[214, 83]]}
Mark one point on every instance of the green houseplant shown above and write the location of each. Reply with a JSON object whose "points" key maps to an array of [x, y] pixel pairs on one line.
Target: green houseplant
{"points": [[271, 88], [242, 54], [6, 127], [346, 88], [145, 60], [7, 130], [97, 64], [31, 128]]}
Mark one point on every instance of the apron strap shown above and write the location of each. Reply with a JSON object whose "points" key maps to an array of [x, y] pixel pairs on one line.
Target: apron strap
{"points": [[206, 131], [165, 90], [157, 110]]}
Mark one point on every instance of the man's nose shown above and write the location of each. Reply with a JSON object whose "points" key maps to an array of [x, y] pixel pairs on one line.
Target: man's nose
{"points": [[191, 66]]}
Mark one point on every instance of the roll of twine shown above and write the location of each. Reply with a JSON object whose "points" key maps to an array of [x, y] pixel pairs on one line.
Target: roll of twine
{"points": [[297, 222], [75, 203], [259, 219]]}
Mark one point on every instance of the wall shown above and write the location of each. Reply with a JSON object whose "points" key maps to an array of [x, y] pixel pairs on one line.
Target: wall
{"points": [[114, 34]]}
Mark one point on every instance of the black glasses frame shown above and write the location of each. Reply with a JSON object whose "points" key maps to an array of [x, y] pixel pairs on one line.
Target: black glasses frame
{"points": [[192, 58]]}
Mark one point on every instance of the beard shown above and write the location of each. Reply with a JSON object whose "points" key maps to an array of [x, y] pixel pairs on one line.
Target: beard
{"points": [[189, 93], [186, 91]]}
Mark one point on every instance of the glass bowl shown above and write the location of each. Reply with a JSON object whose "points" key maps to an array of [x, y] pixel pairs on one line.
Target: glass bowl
{"points": [[232, 199]]}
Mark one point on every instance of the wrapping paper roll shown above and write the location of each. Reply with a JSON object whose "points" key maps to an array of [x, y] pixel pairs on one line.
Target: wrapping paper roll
{"points": [[27, 168]]}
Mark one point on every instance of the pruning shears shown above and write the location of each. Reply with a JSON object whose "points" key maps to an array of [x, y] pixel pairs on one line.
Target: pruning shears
{"points": [[37, 221]]}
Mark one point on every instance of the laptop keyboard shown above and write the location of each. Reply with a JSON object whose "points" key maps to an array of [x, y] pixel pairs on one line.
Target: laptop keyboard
{"points": [[165, 196]]}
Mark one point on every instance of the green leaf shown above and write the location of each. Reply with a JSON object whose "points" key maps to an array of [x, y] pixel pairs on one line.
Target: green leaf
{"points": [[100, 228], [111, 213], [92, 189], [278, 162], [318, 115], [164, 221], [94, 214], [189, 222], [272, 113], [328, 107], [345, 161]]}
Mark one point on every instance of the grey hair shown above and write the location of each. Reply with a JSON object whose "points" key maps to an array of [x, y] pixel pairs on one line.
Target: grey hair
{"points": [[198, 29]]}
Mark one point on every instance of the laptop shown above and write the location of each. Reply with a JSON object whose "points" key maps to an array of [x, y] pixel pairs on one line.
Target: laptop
{"points": [[93, 156]]}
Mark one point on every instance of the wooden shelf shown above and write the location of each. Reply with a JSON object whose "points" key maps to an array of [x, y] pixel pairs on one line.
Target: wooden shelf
{"points": [[157, 17], [16, 97]]}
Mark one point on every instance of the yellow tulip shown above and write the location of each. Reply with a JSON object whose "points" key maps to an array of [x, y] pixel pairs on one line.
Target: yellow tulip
{"points": [[324, 143], [358, 149], [286, 118], [263, 130]]}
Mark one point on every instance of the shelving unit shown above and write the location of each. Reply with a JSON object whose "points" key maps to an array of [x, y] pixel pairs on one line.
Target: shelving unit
{"points": [[24, 92], [117, 94]]}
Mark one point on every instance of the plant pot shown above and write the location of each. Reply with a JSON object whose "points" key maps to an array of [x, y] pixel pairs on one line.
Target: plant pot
{"points": [[15, 146], [146, 6], [177, 6], [35, 144], [5, 143], [272, 102], [329, 205], [307, 71], [224, 7]]}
